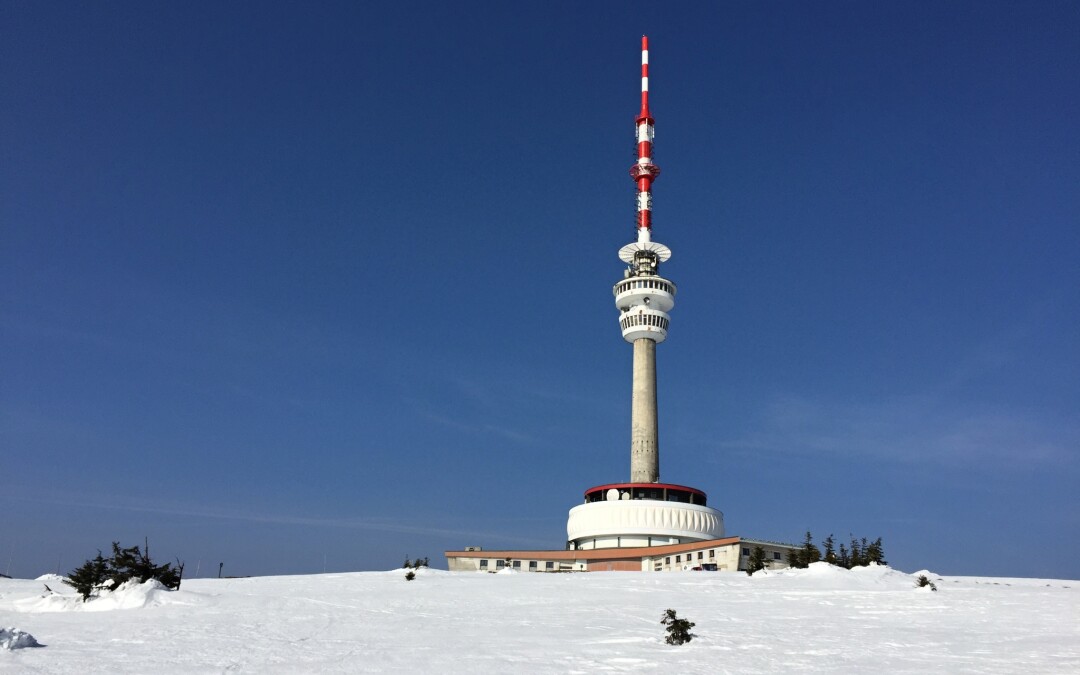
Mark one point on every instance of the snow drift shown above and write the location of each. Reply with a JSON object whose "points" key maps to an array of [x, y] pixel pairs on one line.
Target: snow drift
{"points": [[13, 638], [129, 595]]}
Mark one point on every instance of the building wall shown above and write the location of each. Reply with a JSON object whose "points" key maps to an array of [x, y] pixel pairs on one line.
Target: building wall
{"points": [[456, 564], [622, 565], [775, 554], [728, 555], [725, 557]]}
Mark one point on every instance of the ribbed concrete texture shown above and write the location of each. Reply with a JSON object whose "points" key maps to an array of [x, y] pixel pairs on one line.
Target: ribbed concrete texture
{"points": [[644, 436], [641, 522]]}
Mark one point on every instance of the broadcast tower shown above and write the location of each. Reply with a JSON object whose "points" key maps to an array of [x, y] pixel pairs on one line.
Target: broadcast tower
{"points": [[643, 512], [644, 298]]}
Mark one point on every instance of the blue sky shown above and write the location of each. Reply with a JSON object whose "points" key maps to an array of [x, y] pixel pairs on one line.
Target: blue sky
{"points": [[306, 286]]}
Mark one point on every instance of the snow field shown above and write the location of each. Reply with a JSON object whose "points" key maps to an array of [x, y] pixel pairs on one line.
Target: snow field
{"points": [[821, 619]]}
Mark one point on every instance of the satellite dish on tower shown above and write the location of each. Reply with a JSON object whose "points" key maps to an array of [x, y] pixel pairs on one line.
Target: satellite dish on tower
{"points": [[626, 253]]}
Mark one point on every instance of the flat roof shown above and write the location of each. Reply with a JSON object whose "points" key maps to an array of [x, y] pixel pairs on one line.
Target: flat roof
{"points": [[597, 553]]}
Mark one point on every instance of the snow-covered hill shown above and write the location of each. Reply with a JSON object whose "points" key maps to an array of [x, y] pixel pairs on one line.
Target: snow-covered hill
{"points": [[822, 619]]}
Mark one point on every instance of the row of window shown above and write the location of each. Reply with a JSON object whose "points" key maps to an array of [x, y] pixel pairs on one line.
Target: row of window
{"points": [[654, 284], [643, 320], [690, 557], [549, 565], [775, 555], [712, 555], [670, 495]]}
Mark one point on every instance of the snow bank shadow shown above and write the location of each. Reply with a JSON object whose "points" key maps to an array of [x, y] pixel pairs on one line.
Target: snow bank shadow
{"points": [[13, 638]]}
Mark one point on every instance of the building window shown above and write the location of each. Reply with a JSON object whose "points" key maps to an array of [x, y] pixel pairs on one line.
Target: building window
{"points": [[667, 560], [550, 565], [678, 558], [712, 554], [700, 555], [499, 564], [746, 551], [532, 565], [483, 564], [517, 564], [775, 555]]}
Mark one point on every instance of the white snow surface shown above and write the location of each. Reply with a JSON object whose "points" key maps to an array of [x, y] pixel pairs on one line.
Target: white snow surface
{"points": [[821, 619]]}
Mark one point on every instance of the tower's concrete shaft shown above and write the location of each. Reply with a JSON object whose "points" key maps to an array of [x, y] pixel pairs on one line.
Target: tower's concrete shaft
{"points": [[644, 433]]}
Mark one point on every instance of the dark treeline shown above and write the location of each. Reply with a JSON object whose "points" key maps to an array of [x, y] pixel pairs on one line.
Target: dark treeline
{"points": [[415, 564], [859, 553]]}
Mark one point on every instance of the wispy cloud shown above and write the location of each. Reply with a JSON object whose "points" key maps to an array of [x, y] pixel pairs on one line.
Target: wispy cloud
{"points": [[947, 422], [237, 515], [914, 429], [482, 428]]}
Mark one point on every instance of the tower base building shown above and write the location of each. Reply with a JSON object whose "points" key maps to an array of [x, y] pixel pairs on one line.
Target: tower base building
{"points": [[728, 554]]}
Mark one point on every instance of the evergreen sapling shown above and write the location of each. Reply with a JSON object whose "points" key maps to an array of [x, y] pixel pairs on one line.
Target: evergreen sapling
{"points": [[678, 630], [757, 561], [830, 552]]}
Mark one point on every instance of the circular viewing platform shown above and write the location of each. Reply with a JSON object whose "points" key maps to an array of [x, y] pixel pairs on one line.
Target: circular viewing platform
{"points": [[661, 492], [629, 515]]}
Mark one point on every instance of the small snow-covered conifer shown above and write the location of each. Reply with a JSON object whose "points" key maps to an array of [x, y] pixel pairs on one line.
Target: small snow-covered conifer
{"points": [[678, 630]]}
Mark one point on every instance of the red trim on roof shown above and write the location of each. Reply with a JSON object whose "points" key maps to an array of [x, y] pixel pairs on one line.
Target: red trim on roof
{"points": [[622, 486]]}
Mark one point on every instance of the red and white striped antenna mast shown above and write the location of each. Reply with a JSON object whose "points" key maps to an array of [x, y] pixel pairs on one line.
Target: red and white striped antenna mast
{"points": [[644, 172]]}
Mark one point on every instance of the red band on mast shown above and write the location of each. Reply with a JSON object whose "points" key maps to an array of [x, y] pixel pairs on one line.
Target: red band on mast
{"points": [[644, 171], [644, 78]]}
